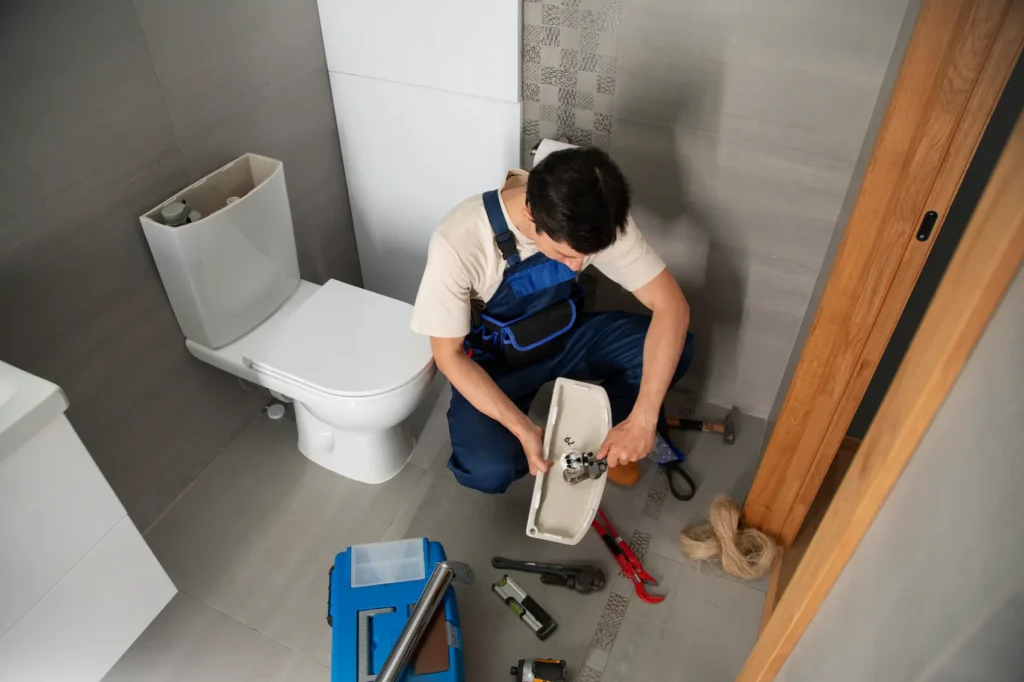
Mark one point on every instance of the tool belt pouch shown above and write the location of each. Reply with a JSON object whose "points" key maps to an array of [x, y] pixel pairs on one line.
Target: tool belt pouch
{"points": [[532, 338]]}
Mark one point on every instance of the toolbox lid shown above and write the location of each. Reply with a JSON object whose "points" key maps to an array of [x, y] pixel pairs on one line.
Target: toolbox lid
{"points": [[579, 419]]}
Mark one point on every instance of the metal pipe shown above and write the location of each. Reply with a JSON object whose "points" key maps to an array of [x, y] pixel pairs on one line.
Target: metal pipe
{"points": [[419, 622]]}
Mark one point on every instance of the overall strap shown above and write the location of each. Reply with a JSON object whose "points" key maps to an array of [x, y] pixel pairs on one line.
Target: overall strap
{"points": [[503, 237]]}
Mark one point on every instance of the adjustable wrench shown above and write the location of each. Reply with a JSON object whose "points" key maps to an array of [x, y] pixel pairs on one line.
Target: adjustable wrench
{"points": [[583, 578]]}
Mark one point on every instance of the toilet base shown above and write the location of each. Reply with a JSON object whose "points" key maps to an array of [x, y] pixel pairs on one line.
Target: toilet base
{"points": [[365, 456]]}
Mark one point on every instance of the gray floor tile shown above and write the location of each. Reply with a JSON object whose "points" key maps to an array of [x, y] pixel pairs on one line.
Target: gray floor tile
{"points": [[474, 527], [192, 641], [431, 425], [702, 632], [717, 468], [257, 533]]}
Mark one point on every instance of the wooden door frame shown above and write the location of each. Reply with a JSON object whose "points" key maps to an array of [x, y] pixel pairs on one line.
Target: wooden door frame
{"points": [[957, 61], [956, 65], [985, 263]]}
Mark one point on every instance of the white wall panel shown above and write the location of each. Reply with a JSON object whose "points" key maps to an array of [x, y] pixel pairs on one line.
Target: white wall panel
{"points": [[411, 154], [464, 46]]}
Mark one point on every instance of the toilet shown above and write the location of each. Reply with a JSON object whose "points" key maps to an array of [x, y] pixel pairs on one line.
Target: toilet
{"points": [[344, 356]]}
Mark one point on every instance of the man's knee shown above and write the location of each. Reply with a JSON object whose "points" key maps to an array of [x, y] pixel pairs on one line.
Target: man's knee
{"points": [[482, 473], [485, 455]]}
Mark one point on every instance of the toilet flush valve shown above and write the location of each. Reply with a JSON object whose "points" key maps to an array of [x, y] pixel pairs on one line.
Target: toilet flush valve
{"points": [[582, 467]]}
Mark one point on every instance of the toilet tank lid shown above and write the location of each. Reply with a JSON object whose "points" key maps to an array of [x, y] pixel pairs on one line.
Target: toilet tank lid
{"points": [[346, 341]]}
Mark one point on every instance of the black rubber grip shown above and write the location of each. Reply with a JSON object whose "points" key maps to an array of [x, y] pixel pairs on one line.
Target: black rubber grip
{"points": [[690, 425], [547, 624], [548, 671]]}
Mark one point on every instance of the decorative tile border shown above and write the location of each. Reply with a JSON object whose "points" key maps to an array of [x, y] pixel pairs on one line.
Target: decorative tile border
{"points": [[611, 620], [570, 50], [640, 542], [657, 494]]}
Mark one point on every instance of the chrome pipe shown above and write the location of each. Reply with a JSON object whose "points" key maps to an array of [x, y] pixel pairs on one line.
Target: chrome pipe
{"points": [[419, 622]]}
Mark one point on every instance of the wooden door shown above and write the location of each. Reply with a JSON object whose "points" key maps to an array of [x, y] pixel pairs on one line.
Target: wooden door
{"points": [[958, 59]]}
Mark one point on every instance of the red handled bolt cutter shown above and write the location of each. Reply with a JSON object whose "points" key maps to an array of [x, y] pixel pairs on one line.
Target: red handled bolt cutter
{"points": [[624, 556]]}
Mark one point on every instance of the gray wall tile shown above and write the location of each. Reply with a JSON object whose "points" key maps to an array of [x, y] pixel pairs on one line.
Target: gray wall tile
{"points": [[80, 106], [86, 278], [88, 146], [738, 125], [743, 226], [214, 60], [90, 313], [804, 74], [309, 148]]}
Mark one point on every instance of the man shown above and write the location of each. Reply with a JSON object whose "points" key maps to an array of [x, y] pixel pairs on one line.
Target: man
{"points": [[501, 302]]}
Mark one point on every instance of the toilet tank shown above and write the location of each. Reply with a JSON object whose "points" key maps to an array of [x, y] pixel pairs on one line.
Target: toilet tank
{"points": [[230, 269]]}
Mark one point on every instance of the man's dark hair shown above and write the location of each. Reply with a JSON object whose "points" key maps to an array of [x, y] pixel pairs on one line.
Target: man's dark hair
{"points": [[579, 197]]}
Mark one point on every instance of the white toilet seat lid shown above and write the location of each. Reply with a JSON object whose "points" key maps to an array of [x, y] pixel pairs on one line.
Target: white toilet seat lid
{"points": [[346, 341]]}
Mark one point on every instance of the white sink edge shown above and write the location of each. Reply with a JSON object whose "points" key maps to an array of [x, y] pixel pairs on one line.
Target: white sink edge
{"points": [[27, 404]]}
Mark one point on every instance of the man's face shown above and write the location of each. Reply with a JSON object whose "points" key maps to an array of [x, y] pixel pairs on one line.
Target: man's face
{"points": [[557, 251]]}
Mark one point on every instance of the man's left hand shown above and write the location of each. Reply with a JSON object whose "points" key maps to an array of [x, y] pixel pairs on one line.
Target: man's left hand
{"points": [[629, 441]]}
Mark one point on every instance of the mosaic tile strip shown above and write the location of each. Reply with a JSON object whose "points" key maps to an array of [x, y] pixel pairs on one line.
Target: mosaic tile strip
{"points": [[611, 620], [549, 36], [605, 85], [570, 51], [657, 495], [531, 73], [640, 542], [590, 675]]}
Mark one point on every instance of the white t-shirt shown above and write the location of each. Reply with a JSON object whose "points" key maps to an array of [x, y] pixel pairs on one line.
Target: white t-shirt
{"points": [[464, 263]]}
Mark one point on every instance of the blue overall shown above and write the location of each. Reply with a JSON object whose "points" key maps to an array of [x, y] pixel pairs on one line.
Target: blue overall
{"points": [[605, 347]]}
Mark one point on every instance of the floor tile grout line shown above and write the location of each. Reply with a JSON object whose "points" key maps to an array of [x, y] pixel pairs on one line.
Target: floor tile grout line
{"points": [[425, 480], [201, 473], [250, 627]]}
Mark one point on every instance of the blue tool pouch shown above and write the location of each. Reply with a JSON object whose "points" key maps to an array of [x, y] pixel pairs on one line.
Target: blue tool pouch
{"points": [[526, 339]]}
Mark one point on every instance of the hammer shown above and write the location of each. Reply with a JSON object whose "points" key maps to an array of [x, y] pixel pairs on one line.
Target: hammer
{"points": [[726, 427]]}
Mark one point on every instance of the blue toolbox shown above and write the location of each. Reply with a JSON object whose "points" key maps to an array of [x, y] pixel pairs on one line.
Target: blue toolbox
{"points": [[372, 591]]}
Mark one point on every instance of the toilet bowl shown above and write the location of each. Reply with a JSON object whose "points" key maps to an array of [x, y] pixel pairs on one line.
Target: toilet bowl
{"points": [[354, 370], [346, 357]]}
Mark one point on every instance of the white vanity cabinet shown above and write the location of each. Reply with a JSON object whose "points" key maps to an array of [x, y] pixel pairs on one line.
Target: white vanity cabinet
{"points": [[78, 584]]}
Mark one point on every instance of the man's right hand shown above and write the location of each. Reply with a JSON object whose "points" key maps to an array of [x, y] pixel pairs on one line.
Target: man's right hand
{"points": [[532, 438]]}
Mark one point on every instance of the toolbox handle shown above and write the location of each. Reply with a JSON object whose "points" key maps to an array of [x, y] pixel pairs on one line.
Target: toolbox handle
{"points": [[330, 582]]}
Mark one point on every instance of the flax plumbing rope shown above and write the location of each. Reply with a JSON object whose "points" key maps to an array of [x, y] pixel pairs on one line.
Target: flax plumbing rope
{"points": [[746, 553]]}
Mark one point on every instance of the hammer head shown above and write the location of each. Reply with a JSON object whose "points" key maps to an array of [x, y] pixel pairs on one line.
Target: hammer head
{"points": [[730, 426]]}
